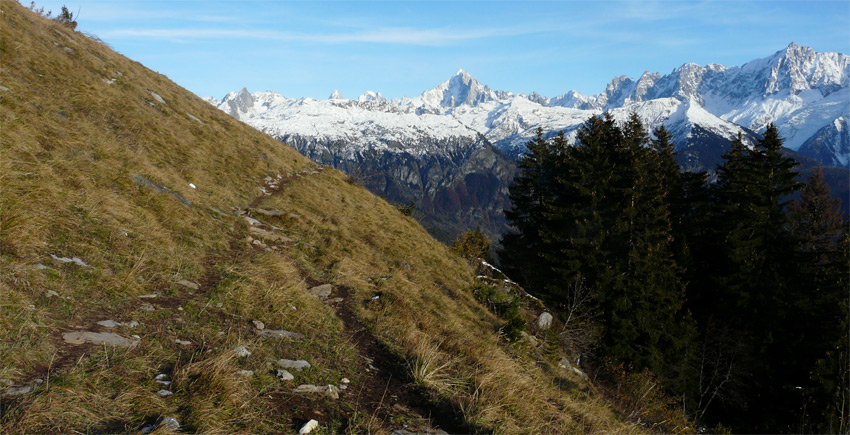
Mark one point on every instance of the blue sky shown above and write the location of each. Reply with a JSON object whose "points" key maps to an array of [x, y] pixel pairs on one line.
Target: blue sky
{"points": [[398, 48]]}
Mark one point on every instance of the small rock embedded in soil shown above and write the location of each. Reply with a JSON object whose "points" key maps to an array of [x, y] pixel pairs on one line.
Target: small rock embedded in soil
{"points": [[106, 338], [51, 293], [321, 291], [544, 322], [189, 284], [345, 381], [308, 427], [245, 373], [149, 296], [168, 422], [284, 375], [18, 391], [164, 393], [161, 376], [259, 324], [183, 342], [241, 351], [279, 333], [328, 390], [293, 364], [74, 260]]}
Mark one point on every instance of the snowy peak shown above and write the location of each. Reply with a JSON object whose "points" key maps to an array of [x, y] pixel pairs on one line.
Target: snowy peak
{"points": [[461, 89], [336, 95]]}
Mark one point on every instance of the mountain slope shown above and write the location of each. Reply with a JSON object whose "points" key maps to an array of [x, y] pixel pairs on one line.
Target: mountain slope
{"points": [[158, 259]]}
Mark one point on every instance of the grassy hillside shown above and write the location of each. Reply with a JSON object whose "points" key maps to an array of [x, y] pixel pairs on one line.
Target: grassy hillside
{"points": [[124, 197]]}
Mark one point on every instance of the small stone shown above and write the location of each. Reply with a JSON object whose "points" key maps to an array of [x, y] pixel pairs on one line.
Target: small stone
{"points": [[18, 391], [51, 293], [189, 284], [343, 387], [164, 393], [166, 383], [241, 351], [258, 324], [293, 364], [279, 333], [136, 337], [252, 221], [544, 322], [157, 97], [345, 381], [148, 307], [161, 376], [193, 186], [7, 382], [308, 427], [321, 291], [168, 422], [291, 306], [106, 338], [183, 342], [328, 390], [334, 300], [245, 373], [149, 296], [74, 260], [108, 323], [4, 89], [38, 381], [284, 375], [40, 266]]}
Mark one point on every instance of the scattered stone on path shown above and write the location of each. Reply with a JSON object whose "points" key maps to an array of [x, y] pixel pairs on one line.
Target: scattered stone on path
{"points": [[195, 118], [245, 373], [279, 333], [18, 391], [328, 390], [322, 291], [268, 235], [75, 260], [259, 324], [106, 338], [284, 375], [189, 284], [241, 351], [168, 422], [142, 181], [111, 323], [252, 221], [293, 364], [544, 322], [308, 427], [157, 97], [183, 342], [164, 393], [272, 213]]}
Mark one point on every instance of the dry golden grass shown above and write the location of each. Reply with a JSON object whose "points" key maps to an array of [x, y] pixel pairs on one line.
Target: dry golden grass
{"points": [[78, 122]]}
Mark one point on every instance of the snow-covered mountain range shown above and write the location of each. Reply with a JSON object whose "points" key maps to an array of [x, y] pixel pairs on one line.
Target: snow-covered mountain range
{"points": [[805, 93], [451, 149]]}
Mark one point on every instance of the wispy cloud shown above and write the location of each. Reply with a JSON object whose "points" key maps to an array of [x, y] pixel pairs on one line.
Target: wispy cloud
{"points": [[388, 35]]}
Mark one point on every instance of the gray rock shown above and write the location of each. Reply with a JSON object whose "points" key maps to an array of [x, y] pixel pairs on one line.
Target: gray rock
{"points": [[241, 351], [51, 293], [195, 118], [328, 390], [189, 284], [166, 383], [164, 393], [284, 375], [322, 291], [183, 342], [18, 391], [168, 422], [268, 235], [161, 376], [111, 323], [245, 373], [279, 333], [150, 296], [105, 338], [157, 97], [40, 266], [308, 427], [148, 307], [544, 322], [4, 89], [74, 260], [293, 364], [259, 324], [142, 181], [268, 212]]}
